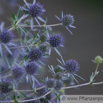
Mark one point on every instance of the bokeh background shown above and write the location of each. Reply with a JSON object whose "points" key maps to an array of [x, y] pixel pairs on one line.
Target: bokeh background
{"points": [[85, 43]]}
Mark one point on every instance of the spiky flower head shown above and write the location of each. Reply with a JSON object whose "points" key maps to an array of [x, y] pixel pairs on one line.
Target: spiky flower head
{"points": [[67, 20], [59, 84], [98, 59], [43, 48], [6, 36], [49, 96], [35, 54], [42, 91], [31, 68], [58, 75], [43, 38], [5, 86], [50, 83], [34, 9], [56, 40], [58, 69], [72, 66], [17, 72]]}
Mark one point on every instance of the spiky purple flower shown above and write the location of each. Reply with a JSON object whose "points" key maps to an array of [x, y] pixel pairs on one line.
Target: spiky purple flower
{"points": [[35, 54], [66, 20], [59, 84], [5, 86], [42, 91], [31, 68], [50, 83], [6, 36], [55, 40], [35, 10], [18, 72], [49, 96], [72, 66]]}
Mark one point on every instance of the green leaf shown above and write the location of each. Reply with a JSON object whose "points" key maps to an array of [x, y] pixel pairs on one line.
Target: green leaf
{"points": [[18, 13], [25, 57], [8, 62], [34, 36], [19, 31], [13, 16], [92, 85], [15, 101], [24, 30], [23, 95], [57, 96]]}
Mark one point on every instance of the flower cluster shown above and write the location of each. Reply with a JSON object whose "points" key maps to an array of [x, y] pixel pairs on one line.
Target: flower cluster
{"points": [[28, 63]]}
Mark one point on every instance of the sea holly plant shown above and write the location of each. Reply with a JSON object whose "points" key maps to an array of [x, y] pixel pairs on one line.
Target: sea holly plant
{"points": [[32, 47]]}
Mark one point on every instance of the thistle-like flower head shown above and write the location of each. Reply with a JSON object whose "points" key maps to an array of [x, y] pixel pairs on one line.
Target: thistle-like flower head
{"points": [[35, 54], [50, 83], [35, 10], [5, 86], [43, 48], [72, 66], [17, 72], [42, 91], [66, 20], [59, 84], [5, 35], [31, 68], [56, 40], [43, 38]]}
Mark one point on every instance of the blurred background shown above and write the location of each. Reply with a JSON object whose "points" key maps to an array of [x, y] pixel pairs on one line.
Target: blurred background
{"points": [[85, 43]]}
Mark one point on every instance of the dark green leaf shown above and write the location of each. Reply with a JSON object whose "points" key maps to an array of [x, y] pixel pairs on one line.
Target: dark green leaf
{"points": [[25, 57], [13, 16], [8, 62], [18, 13], [34, 37], [23, 95], [19, 31], [24, 30], [57, 96]]}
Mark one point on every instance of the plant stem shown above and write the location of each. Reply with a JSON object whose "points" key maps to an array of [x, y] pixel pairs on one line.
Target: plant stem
{"points": [[95, 72], [6, 95], [41, 25], [85, 84]]}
